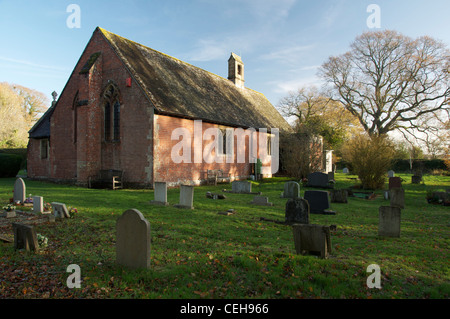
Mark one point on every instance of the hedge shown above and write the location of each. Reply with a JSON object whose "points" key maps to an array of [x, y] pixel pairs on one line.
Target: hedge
{"points": [[9, 164], [403, 165]]}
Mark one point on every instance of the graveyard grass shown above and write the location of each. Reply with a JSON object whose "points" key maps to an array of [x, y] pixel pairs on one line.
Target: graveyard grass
{"points": [[202, 254]]}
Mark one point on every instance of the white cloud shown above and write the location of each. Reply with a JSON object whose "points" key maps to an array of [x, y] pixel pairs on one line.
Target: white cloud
{"points": [[32, 64], [287, 86], [289, 55]]}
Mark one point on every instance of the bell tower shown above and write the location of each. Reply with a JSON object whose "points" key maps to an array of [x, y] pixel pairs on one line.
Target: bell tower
{"points": [[236, 70]]}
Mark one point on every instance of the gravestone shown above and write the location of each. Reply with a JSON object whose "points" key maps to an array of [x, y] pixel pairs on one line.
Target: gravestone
{"points": [[328, 161], [9, 214], [160, 193], [215, 196], [186, 197], [25, 237], [60, 210], [297, 211], [319, 202], [241, 187], [312, 240], [391, 173], [133, 240], [397, 197], [345, 170], [261, 200], [19, 191], [339, 196], [389, 221], [291, 190], [38, 204], [330, 176], [416, 179], [395, 182], [318, 179]]}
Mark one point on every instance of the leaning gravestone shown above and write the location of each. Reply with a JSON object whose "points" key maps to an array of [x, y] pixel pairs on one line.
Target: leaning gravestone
{"points": [[319, 202], [60, 210], [389, 221], [133, 240], [318, 179], [397, 197], [241, 187], [19, 191], [297, 211], [160, 191], [339, 196], [25, 237], [395, 182], [186, 197], [291, 190], [261, 200], [312, 240]]}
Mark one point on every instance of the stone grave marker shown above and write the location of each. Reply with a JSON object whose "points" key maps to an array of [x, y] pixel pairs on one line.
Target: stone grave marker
{"points": [[38, 204], [19, 191], [312, 240], [395, 182], [261, 200], [186, 197], [25, 237], [397, 197], [345, 170], [339, 196], [60, 210], [319, 202], [160, 193], [391, 173], [133, 240], [416, 179], [389, 221], [318, 179], [297, 211], [291, 190], [241, 187]]}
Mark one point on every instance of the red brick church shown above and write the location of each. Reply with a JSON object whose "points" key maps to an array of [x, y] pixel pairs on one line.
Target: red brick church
{"points": [[121, 105]]}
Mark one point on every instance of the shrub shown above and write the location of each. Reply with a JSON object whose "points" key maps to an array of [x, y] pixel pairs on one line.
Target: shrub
{"points": [[370, 158], [10, 164]]}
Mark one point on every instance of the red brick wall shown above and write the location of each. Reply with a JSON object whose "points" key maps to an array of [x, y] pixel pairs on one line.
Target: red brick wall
{"points": [[165, 169], [76, 161]]}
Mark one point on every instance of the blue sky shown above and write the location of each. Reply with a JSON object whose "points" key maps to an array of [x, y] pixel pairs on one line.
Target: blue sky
{"points": [[282, 42]]}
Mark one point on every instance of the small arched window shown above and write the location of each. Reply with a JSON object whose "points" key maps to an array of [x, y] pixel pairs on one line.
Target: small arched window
{"points": [[111, 113]]}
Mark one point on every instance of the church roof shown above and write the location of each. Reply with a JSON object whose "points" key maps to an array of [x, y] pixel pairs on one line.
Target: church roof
{"points": [[180, 89]]}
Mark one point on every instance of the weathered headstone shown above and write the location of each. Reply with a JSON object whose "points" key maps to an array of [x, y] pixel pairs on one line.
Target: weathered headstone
{"points": [[345, 170], [19, 191], [318, 179], [339, 196], [60, 210], [291, 190], [38, 204], [397, 197], [9, 214], [319, 202], [312, 240], [416, 179], [389, 221], [241, 187], [261, 200], [25, 237], [391, 173], [160, 191], [330, 176], [395, 182], [297, 211], [328, 161], [186, 197], [133, 240]]}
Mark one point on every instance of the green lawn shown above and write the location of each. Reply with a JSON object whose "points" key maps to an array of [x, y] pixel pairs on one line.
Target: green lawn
{"points": [[201, 254]]}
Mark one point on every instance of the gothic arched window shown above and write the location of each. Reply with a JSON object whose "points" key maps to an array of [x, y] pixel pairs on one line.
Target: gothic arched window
{"points": [[111, 113]]}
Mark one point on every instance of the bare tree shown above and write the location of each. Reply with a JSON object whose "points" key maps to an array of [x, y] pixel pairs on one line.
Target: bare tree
{"points": [[389, 82]]}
